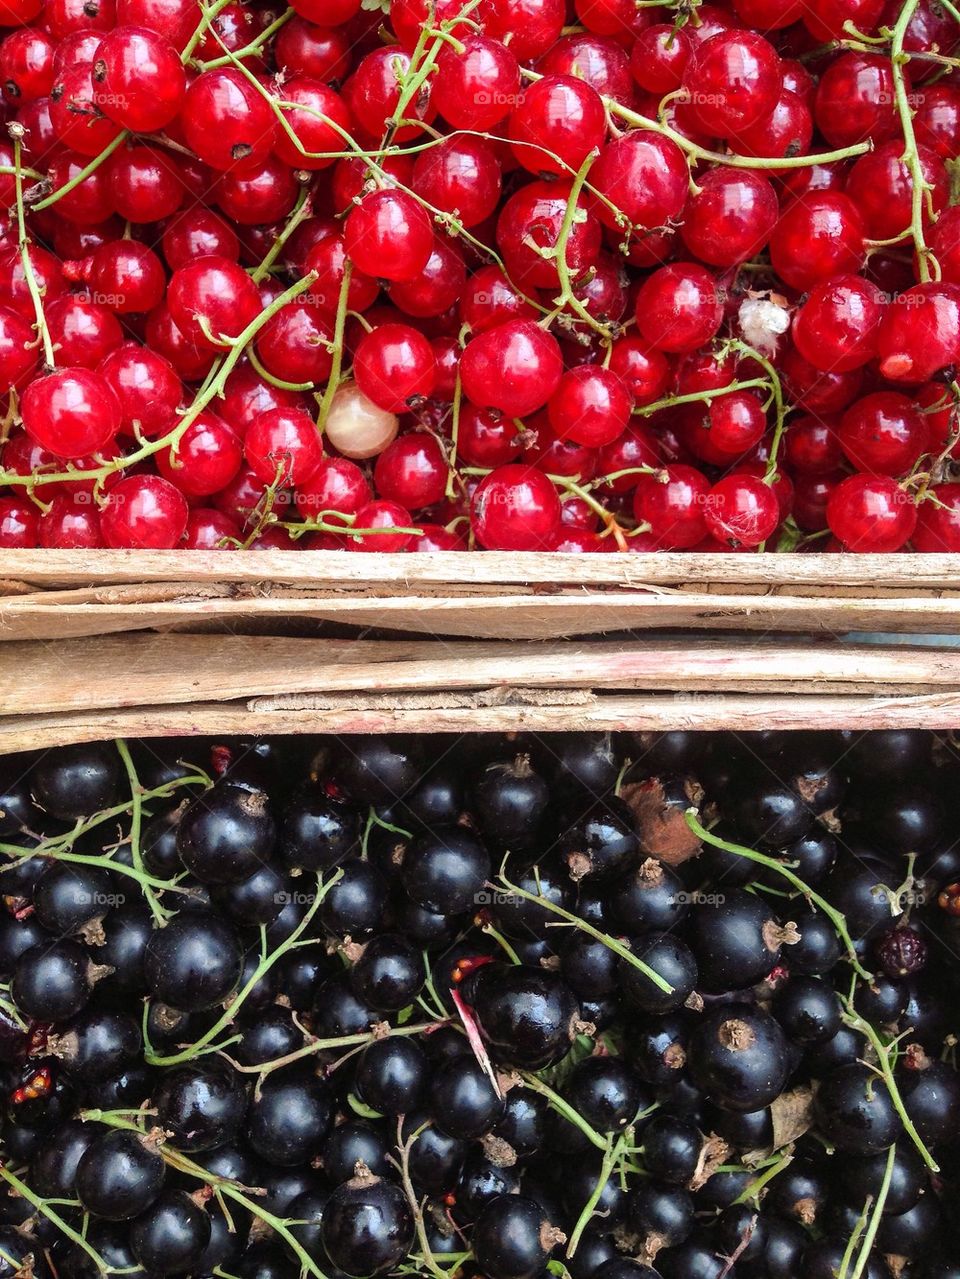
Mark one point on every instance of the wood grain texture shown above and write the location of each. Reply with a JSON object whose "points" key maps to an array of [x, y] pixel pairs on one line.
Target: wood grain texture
{"points": [[133, 670], [732, 712]]}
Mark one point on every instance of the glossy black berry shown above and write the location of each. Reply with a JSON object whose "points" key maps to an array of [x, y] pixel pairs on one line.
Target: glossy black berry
{"points": [[445, 870], [855, 1108], [650, 898], [52, 981], [69, 896], [378, 770], [512, 1238], [119, 1175], [808, 1010], [860, 1178], [674, 964], [738, 1055], [389, 973], [662, 1216], [671, 1149], [354, 1143], [354, 906], [602, 844], [464, 1100], [53, 1169], [77, 781], [606, 1093], [227, 833], [735, 938], [202, 1105], [194, 962], [367, 1226], [169, 1238], [510, 802], [528, 1017], [288, 1121], [98, 1043]]}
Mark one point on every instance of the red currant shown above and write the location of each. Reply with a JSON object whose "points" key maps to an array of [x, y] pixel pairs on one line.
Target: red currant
{"points": [[475, 89], [679, 307], [514, 367], [412, 471], [226, 122], [591, 406], [741, 510], [381, 516], [920, 333], [205, 459], [556, 124], [138, 79], [818, 236], [871, 513], [212, 300], [71, 412], [144, 512], [147, 387], [883, 433], [394, 366], [938, 521], [673, 503], [731, 217], [515, 508], [460, 176], [388, 236]]}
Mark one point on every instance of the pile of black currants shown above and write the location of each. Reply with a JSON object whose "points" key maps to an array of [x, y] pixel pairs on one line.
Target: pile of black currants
{"points": [[605, 1006]]}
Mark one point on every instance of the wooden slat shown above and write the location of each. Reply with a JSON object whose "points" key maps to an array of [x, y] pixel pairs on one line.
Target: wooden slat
{"points": [[308, 569], [738, 712], [507, 616], [130, 670]]}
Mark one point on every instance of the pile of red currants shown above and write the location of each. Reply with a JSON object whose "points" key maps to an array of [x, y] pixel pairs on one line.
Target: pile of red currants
{"points": [[495, 274]]}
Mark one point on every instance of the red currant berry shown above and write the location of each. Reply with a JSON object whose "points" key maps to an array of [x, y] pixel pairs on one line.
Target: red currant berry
{"points": [[77, 120], [373, 95], [591, 406], [881, 186], [514, 367], [883, 433], [633, 451], [138, 78], [673, 504], [644, 371], [412, 471], [438, 288], [212, 300], [125, 276], [147, 387], [145, 513], [434, 537], [529, 27], [731, 217], [206, 458], [679, 307], [732, 80], [814, 390], [827, 19], [26, 65], [226, 122], [729, 426], [836, 328], [818, 236], [515, 508], [461, 175], [489, 298], [855, 100], [335, 485], [741, 510], [19, 521], [787, 131], [811, 445], [69, 524], [71, 412], [475, 89], [323, 53], [645, 176], [768, 15], [328, 13], [163, 336], [255, 198], [871, 513], [920, 333], [319, 118], [283, 446], [394, 366], [82, 332], [211, 530], [938, 521], [146, 184], [176, 20], [198, 233], [486, 438], [556, 124], [326, 260], [530, 223], [936, 120], [597, 60], [295, 344], [379, 516], [18, 349], [388, 236], [659, 57]]}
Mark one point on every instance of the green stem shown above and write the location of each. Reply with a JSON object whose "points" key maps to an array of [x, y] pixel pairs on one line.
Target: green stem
{"points": [[228, 1015], [758, 1183], [136, 818], [911, 157], [611, 943], [253, 47], [23, 1190], [564, 1109], [84, 173], [874, 1223], [339, 324], [612, 1152], [835, 917], [33, 287], [885, 1069]]}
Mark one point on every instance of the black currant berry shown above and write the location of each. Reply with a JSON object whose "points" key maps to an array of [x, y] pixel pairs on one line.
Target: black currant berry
{"points": [[673, 962], [735, 939], [68, 897], [602, 844], [119, 1175], [202, 1105], [649, 899], [52, 981], [510, 802], [367, 1226], [355, 905], [512, 1238], [528, 1016], [445, 870], [854, 1109], [98, 1043], [739, 1056], [227, 833], [389, 973], [290, 1118], [807, 1009], [319, 830], [193, 963], [377, 770], [464, 1100], [169, 1238], [77, 781]]}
